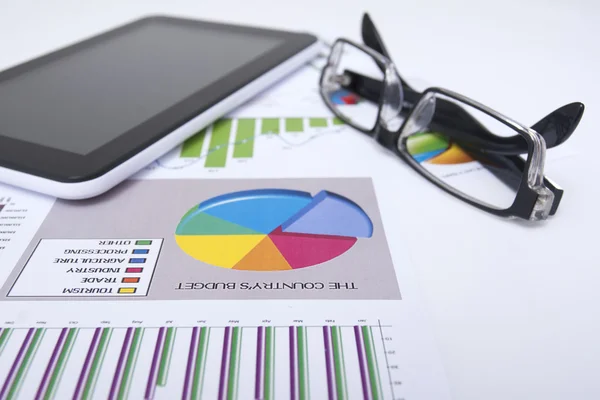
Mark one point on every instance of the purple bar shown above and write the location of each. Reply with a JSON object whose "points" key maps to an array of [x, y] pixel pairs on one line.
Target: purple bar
{"points": [[190, 364], [151, 386], [329, 363], [362, 362], [258, 392], [86, 363], [16, 363], [51, 363], [224, 364], [120, 363], [293, 363]]}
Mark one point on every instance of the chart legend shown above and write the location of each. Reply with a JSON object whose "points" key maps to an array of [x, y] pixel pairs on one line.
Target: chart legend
{"points": [[15, 212], [88, 267]]}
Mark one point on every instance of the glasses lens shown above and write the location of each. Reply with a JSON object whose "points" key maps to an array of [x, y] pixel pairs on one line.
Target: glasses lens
{"points": [[337, 85], [429, 136]]}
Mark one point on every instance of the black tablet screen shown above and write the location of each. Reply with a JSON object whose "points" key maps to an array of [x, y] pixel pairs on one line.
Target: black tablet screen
{"points": [[84, 100]]}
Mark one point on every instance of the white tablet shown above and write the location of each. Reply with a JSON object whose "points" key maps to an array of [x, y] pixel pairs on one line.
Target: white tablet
{"points": [[76, 122]]}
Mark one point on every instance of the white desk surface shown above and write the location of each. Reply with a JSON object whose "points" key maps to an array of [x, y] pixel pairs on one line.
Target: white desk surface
{"points": [[515, 308]]}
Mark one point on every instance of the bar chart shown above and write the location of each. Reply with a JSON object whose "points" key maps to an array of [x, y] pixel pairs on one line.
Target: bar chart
{"points": [[198, 362], [212, 143]]}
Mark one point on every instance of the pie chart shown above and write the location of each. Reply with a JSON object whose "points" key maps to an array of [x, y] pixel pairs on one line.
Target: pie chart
{"points": [[272, 229]]}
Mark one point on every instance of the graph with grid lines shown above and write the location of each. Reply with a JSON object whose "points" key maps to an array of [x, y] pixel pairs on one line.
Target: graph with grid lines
{"points": [[231, 362]]}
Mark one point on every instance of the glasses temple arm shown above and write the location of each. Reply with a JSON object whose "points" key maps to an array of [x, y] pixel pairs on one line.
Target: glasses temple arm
{"points": [[555, 128], [560, 124], [448, 116], [372, 39]]}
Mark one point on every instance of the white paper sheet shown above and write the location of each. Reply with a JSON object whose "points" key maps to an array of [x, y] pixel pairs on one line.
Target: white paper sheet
{"points": [[347, 326]]}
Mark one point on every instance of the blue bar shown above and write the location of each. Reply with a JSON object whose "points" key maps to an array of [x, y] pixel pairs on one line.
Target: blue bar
{"points": [[137, 260], [141, 251]]}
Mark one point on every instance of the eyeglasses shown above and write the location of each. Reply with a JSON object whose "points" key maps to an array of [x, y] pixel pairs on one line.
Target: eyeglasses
{"points": [[464, 147]]}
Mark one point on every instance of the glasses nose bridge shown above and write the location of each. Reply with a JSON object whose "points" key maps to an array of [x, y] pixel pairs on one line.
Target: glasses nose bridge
{"points": [[392, 100], [421, 116]]}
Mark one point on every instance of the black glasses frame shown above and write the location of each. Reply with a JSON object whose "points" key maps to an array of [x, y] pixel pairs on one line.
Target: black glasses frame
{"points": [[532, 194]]}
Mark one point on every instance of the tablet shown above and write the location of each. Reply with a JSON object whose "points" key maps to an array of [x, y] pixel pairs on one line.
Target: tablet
{"points": [[76, 122]]}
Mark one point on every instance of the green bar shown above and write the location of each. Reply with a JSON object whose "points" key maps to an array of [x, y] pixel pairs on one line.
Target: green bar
{"points": [[376, 391], [192, 147], [217, 150], [130, 364], [270, 125], [302, 363], [294, 125], [234, 363], [338, 359], [244, 138], [24, 367], [318, 122], [90, 382], [165, 358], [4, 338], [338, 121], [269, 362], [143, 242], [200, 367], [63, 358]]}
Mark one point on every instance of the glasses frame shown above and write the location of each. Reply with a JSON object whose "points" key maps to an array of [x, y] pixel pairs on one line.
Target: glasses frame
{"points": [[533, 200], [536, 197]]}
